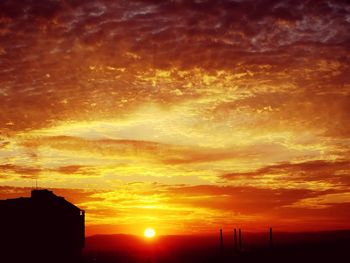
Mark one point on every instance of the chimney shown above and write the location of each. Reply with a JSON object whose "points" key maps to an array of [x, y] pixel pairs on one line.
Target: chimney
{"points": [[271, 237], [235, 239], [221, 242], [240, 239]]}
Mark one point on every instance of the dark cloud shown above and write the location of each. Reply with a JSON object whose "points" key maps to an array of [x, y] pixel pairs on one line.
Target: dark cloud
{"points": [[333, 215], [24, 172], [74, 169], [35, 172], [245, 200], [48, 48], [33, 9], [336, 172], [170, 154]]}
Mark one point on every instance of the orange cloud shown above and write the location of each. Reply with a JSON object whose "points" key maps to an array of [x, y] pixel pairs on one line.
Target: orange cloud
{"points": [[160, 110], [26, 172], [334, 172]]}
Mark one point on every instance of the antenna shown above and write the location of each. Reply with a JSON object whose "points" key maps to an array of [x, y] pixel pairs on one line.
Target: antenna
{"points": [[36, 183]]}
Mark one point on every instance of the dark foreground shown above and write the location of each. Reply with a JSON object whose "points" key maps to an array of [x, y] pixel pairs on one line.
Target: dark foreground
{"points": [[302, 247]]}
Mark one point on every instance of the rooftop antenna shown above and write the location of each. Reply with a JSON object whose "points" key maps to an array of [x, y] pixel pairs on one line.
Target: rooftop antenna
{"points": [[36, 183]]}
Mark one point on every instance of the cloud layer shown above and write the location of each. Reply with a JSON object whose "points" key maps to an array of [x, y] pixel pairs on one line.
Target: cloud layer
{"points": [[204, 109]]}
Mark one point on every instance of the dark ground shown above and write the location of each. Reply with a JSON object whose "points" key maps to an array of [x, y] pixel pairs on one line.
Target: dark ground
{"points": [[333, 246]]}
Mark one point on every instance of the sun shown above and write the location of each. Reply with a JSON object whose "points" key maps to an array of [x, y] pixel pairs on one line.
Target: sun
{"points": [[149, 232]]}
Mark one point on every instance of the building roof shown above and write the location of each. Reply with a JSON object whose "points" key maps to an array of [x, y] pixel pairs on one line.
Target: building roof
{"points": [[43, 198]]}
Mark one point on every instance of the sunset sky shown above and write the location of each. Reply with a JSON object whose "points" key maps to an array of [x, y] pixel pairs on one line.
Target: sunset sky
{"points": [[182, 115]]}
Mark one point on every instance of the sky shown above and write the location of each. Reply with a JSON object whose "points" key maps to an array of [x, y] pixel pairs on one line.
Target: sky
{"points": [[182, 115]]}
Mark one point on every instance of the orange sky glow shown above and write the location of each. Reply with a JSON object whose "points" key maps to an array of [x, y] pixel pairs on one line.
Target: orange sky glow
{"points": [[180, 115]]}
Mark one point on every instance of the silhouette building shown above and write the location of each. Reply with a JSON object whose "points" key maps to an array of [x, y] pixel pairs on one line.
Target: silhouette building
{"points": [[41, 228]]}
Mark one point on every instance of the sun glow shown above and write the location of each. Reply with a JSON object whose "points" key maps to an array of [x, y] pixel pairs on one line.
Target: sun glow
{"points": [[149, 232]]}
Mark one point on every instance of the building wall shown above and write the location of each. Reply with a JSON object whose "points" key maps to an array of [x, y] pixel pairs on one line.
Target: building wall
{"points": [[40, 229]]}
